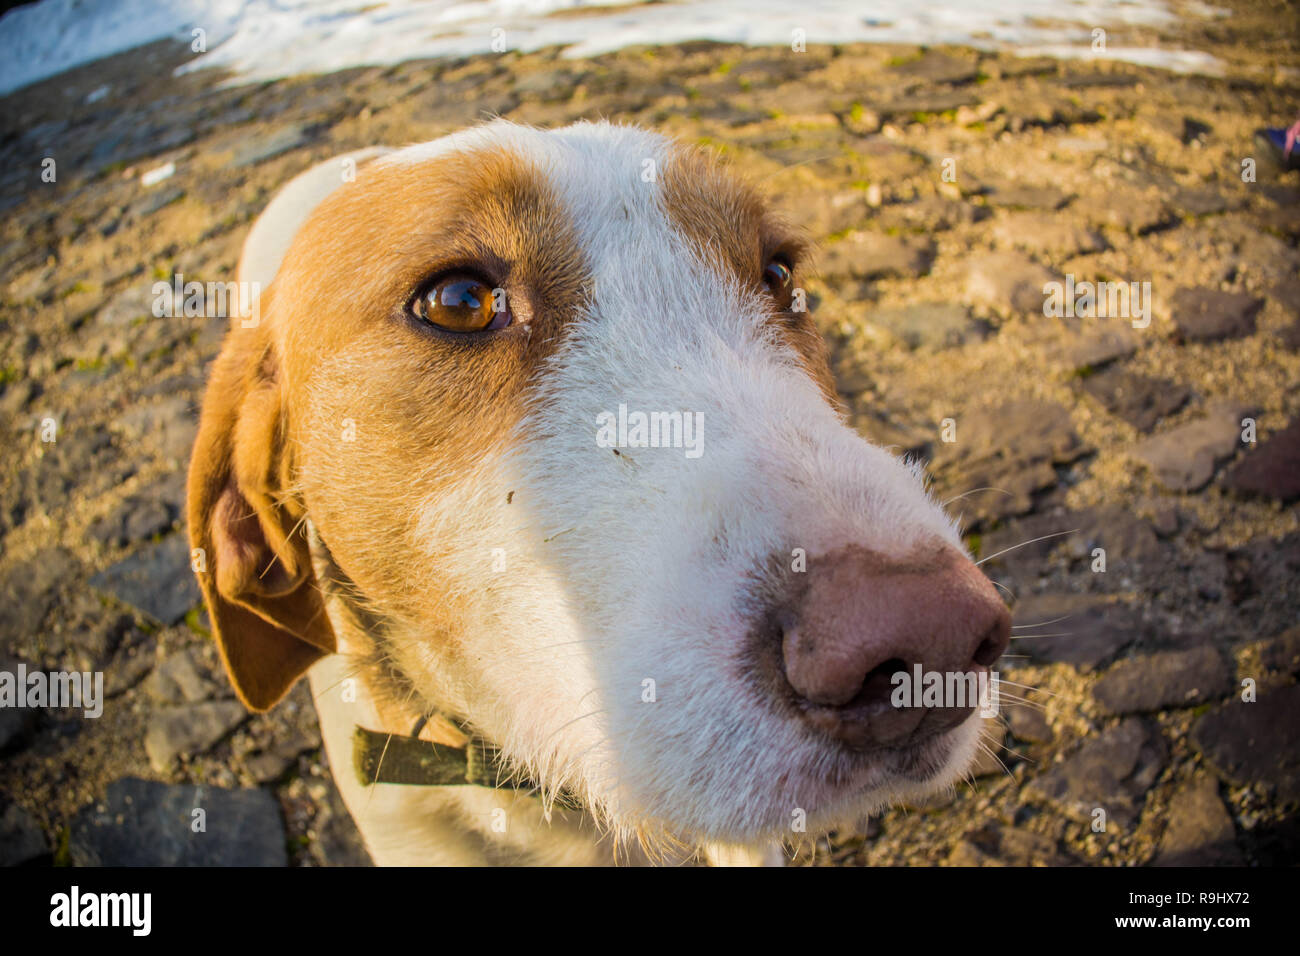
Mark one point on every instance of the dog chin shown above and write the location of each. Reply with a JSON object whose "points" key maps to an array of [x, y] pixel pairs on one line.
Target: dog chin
{"points": [[868, 784], [905, 776]]}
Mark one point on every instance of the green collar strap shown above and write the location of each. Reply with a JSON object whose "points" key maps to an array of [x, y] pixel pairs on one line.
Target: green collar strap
{"points": [[379, 757]]}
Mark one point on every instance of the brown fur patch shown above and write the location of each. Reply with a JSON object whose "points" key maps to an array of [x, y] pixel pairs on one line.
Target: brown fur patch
{"points": [[383, 410], [375, 410], [731, 225]]}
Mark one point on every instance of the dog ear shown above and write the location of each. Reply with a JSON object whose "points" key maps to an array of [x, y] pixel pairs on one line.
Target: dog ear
{"points": [[251, 554]]}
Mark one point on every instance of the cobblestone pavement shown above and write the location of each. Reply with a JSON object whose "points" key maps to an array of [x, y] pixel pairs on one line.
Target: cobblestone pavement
{"points": [[945, 188]]}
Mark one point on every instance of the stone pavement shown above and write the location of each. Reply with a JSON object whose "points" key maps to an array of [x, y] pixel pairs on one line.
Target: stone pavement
{"points": [[945, 189]]}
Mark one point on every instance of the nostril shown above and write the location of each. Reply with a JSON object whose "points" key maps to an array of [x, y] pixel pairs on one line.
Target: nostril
{"points": [[990, 650], [878, 685], [888, 669], [995, 640]]}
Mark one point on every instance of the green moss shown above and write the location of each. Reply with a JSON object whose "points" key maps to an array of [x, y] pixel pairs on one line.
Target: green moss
{"points": [[193, 620], [62, 855]]}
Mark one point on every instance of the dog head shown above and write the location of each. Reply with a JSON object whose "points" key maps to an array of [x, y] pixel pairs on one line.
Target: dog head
{"points": [[551, 402]]}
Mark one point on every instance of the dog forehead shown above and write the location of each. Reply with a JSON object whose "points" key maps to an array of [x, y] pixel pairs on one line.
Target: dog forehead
{"points": [[598, 168], [627, 191]]}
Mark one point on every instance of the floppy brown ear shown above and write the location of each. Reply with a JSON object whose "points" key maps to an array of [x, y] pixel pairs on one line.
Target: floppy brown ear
{"points": [[254, 566]]}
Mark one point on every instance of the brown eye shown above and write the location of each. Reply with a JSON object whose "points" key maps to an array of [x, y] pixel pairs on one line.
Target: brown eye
{"points": [[777, 276], [779, 279], [460, 302]]}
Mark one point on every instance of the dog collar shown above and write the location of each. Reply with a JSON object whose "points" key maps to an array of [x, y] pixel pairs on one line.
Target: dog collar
{"points": [[380, 757]]}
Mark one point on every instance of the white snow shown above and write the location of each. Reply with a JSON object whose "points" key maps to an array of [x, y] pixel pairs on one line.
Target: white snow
{"points": [[267, 39]]}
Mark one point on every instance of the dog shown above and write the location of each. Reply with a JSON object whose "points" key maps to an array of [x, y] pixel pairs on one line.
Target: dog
{"points": [[534, 633]]}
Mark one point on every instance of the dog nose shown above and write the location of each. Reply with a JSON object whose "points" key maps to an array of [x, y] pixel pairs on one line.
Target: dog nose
{"points": [[862, 618]]}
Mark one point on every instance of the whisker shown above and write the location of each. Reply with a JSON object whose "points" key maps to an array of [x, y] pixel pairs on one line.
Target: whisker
{"points": [[1003, 587], [338, 683], [1055, 620], [973, 491], [568, 722], [378, 767], [1057, 534], [802, 162], [1041, 690], [1022, 702], [989, 750]]}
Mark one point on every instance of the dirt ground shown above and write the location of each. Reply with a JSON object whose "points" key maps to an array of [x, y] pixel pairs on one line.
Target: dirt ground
{"points": [[944, 188]]}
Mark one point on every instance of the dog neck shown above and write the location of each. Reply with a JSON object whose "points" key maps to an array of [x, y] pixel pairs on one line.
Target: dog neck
{"points": [[361, 632], [415, 743], [422, 824]]}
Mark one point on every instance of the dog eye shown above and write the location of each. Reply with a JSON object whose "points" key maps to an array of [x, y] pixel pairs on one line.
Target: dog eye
{"points": [[462, 302], [779, 279]]}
